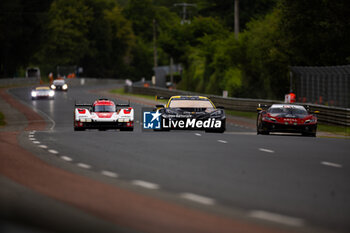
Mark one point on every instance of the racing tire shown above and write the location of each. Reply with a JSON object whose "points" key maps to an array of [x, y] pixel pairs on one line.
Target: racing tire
{"points": [[127, 129], [309, 134], [161, 130], [221, 130], [260, 131]]}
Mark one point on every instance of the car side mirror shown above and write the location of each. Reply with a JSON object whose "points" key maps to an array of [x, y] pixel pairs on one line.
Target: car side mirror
{"points": [[159, 106]]}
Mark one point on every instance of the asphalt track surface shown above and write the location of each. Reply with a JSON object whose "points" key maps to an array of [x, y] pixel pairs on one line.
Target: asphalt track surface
{"points": [[300, 183]]}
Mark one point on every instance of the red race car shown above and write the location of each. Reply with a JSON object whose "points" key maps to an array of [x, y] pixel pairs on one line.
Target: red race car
{"points": [[289, 118]]}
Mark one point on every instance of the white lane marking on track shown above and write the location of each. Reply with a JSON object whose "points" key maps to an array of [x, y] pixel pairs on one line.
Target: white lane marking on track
{"points": [[198, 134], [198, 198], [110, 174], [83, 165], [32, 139], [222, 141], [30, 135], [53, 151], [43, 146], [273, 217], [331, 164], [266, 150], [66, 158], [145, 184], [36, 142]]}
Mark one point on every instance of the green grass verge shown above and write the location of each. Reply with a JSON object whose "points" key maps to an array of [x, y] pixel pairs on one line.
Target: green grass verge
{"points": [[2, 119], [121, 91], [341, 130]]}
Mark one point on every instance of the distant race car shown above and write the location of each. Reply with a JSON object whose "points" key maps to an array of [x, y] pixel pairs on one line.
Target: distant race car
{"points": [[42, 93], [192, 112], [59, 84], [103, 114], [289, 118]]}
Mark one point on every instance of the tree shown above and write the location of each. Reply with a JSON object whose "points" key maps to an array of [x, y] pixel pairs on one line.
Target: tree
{"points": [[265, 64], [21, 26], [316, 32], [67, 41]]}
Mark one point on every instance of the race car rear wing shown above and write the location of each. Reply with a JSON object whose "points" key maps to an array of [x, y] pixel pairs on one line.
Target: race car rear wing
{"points": [[262, 107], [82, 105], [123, 105], [161, 98]]}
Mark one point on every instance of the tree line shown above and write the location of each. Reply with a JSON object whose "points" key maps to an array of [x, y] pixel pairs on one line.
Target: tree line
{"points": [[114, 39]]}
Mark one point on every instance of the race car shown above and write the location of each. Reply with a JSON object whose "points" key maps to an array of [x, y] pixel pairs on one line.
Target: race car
{"points": [[59, 84], [192, 112], [103, 114], [42, 93], [291, 118]]}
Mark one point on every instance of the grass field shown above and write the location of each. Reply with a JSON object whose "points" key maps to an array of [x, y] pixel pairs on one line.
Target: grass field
{"points": [[121, 91]]}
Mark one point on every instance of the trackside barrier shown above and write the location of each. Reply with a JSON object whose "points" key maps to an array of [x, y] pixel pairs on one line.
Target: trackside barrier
{"points": [[93, 81], [328, 115], [18, 81], [72, 82]]}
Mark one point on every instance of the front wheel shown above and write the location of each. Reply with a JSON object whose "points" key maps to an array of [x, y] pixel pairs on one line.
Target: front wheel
{"points": [[309, 134], [127, 129], [220, 130], [259, 130]]}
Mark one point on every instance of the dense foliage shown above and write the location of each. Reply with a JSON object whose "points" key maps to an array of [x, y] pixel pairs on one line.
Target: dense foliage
{"points": [[114, 39]]}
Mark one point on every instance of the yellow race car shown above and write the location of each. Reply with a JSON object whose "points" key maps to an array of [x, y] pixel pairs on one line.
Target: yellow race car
{"points": [[191, 112]]}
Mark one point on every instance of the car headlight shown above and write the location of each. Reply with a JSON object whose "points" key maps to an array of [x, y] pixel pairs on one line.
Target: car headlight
{"points": [[65, 86], [313, 120], [51, 93], [217, 113], [53, 87], [268, 119], [168, 111], [33, 94]]}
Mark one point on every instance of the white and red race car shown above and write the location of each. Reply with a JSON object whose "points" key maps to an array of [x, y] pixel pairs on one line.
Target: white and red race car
{"points": [[103, 114]]}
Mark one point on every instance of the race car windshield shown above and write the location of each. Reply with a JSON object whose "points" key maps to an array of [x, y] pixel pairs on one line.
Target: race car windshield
{"points": [[104, 108], [190, 104], [299, 111], [58, 82]]}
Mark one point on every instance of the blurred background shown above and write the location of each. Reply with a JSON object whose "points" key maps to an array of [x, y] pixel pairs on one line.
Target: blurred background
{"points": [[130, 39]]}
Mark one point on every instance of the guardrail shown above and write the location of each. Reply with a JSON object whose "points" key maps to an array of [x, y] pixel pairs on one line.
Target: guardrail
{"points": [[93, 81], [18, 81], [328, 115], [72, 82]]}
